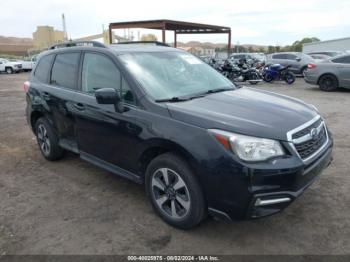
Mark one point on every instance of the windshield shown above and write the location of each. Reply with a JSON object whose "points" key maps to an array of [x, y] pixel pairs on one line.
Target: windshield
{"points": [[165, 75]]}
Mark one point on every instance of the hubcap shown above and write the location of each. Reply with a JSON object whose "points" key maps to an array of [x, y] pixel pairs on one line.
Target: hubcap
{"points": [[43, 140], [170, 193]]}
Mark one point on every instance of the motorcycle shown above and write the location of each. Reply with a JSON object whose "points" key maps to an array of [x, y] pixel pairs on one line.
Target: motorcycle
{"points": [[278, 72], [241, 73]]}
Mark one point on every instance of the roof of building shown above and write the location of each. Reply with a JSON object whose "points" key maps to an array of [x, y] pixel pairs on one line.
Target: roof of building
{"points": [[327, 41]]}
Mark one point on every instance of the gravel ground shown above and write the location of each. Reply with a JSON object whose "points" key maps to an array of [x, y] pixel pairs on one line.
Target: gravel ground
{"points": [[73, 207]]}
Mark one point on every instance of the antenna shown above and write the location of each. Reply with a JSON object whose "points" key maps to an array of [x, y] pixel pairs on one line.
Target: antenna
{"points": [[64, 27]]}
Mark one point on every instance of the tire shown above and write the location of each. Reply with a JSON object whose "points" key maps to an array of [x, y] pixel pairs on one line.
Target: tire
{"points": [[328, 83], [303, 70], [268, 78], [47, 140], [289, 77], [9, 70], [178, 200], [254, 76]]}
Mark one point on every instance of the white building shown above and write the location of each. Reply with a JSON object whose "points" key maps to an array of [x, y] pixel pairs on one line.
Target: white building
{"points": [[341, 44]]}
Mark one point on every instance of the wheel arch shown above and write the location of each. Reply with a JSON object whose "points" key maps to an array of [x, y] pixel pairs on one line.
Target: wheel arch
{"points": [[35, 115], [157, 147]]}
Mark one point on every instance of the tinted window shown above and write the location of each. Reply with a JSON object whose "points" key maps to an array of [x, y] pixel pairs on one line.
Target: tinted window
{"points": [[342, 60], [100, 72], [43, 68], [65, 69], [290, 56], [279, 56]]}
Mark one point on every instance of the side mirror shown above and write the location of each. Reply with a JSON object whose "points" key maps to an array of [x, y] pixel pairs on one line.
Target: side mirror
{"points": [[109, 96], [298, 59]]}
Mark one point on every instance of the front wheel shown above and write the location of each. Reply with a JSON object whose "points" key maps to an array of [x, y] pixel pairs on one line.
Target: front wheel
{"points": [[289, 77], [9, 70], [268, 78], [174, 192], [328, 83]]}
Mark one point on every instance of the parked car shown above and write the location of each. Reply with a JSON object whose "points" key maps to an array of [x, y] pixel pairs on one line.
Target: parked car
{"points": [[298, 61], [330, 74], [320, 57], [163, 118], [28, 65], [9, 67], [251, 58], [328, 53]]}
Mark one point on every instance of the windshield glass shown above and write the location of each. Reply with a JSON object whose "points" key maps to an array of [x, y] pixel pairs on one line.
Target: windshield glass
{"points": [[166, 75]]}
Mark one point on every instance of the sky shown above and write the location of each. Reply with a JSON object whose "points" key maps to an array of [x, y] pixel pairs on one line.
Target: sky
{"points": [[273, 22]]}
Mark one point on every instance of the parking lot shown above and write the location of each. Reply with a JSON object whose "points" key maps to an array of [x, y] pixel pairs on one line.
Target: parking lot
{"points": [[73, 207]]}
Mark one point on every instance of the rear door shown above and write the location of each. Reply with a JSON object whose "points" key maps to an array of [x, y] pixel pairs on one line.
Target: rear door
{"points": [[343, 68], [291, 59], [60, 96]]}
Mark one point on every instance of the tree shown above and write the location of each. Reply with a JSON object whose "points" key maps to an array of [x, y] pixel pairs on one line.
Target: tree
{"points": [[297, 46], [148, 37]]}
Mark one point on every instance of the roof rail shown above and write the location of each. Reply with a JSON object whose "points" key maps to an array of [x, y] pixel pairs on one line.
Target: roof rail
{"points": [[143, 42], [78, 43]]}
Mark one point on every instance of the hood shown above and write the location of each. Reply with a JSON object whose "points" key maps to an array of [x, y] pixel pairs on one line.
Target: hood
{"points": [[245, 111]]}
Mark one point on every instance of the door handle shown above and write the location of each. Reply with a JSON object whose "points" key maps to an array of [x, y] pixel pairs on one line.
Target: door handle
{"points": [[79, 106]]}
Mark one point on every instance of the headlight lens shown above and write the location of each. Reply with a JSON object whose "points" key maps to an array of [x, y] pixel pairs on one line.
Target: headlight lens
{"points": [[248, 148]]}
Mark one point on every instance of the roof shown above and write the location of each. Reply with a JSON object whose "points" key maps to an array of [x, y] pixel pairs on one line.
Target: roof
{"points": [[179, 26], [131, 48], [327, 41]]}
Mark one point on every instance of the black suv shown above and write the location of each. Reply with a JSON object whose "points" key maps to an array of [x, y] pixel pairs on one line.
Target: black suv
{"points": [[162, 117]]}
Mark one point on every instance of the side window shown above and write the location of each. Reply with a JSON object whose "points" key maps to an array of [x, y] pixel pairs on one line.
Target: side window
{"points": [[42, 70], [279, 56], [342, 60], [100, 72], [65, 69], [291, 57]]}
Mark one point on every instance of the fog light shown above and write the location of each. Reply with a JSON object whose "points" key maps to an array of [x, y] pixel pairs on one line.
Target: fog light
{"points": [[266, 202]]}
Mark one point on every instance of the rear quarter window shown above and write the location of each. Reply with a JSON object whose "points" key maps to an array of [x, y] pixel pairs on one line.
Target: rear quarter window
{"points": [[342, 60], [42, 70]]}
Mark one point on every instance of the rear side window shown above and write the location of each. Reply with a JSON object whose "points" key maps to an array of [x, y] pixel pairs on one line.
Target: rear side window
{"points": [[65, 70], [291, 57], [43, 68], [279, 56], [342, 60]]}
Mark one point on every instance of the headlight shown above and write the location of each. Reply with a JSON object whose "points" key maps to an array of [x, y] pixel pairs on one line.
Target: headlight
{"points": [[248, 148]]}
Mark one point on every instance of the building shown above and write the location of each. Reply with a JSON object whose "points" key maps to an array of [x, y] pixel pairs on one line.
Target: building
{"points": [[45, 36], [199, 51], [341, 44]]}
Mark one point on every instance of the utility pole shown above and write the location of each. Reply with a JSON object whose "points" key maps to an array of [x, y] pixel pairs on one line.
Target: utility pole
{"points": [[64, 27]]}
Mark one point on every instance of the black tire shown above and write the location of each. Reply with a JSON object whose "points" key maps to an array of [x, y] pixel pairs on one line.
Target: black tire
{"points": [[45, 135], [289, 78], [328, 83], [254, 76], [178, 172], [303, 70], [9, 70]]}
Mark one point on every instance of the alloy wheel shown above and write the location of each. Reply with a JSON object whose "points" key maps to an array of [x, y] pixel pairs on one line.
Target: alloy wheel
{"points": [[170, 193], [43, 139]]}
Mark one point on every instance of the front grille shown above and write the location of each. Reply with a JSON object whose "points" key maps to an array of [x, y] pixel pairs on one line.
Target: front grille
{"points": [[19, 66], [309, 147], [306, 130]]}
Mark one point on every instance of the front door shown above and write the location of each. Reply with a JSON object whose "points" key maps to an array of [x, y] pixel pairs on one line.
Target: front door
{"points": [[104, 133]]}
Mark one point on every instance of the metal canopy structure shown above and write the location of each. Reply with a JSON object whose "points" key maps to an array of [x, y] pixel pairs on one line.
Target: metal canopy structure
{"points": [[178, 27]]}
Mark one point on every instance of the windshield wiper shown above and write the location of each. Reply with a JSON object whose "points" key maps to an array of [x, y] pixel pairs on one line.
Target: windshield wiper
{"points": [[173, 99], [179, 99], [211, 91]]}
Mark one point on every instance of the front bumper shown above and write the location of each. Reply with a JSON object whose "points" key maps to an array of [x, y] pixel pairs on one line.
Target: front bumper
{"points": [[258, 190], [266, 204]]}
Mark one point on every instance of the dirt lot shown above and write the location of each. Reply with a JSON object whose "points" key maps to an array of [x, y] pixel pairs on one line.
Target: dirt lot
{"points": [[72, 207]]}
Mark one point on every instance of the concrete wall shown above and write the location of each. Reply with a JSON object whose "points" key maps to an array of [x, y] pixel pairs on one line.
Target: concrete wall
{"points": [[342, 44]]}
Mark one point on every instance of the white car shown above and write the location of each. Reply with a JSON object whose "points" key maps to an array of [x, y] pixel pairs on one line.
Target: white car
{"points": [[9, 67], [28, 65]]}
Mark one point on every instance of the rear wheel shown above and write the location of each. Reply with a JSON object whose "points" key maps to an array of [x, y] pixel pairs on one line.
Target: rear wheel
{"points": [[47, 140], [328, 83], [303, 70], [254, 76], [174, 191]]}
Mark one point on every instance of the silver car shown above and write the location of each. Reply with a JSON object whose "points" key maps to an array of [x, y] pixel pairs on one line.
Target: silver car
{"points": [[298, 61], [330, 74]]}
